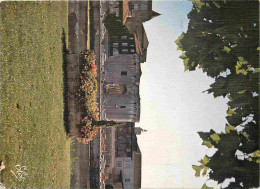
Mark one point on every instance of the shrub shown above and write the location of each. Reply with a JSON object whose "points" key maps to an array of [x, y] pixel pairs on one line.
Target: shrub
{"points": [[88, 93]]}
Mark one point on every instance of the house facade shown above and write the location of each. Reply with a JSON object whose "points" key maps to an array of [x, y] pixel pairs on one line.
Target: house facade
{"points": [[127, 49], [121, 88], [125, 169], [122, 69]]}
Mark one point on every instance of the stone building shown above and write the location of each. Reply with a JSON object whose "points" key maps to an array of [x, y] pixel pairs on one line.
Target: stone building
{"points": [[139, 12], [122, 69], [127, 50], [125, 170], [121, 96]]}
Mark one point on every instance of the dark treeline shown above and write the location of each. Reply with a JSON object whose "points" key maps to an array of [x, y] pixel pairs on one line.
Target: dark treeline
{"points": [[223, 40]]}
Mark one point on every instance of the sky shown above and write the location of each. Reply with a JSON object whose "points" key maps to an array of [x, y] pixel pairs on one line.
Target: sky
{"points": [[173, 106]]}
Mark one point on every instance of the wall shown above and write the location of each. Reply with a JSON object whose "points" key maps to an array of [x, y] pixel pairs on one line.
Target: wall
{"points": [[125, 107], [127, 168]]}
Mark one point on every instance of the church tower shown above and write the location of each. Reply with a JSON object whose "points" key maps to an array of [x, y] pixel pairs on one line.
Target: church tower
{"points": [[139, 130]]}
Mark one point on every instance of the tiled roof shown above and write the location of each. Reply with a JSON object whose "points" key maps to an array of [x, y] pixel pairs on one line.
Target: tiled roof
{"points": [[137, 45], [125, 11]]}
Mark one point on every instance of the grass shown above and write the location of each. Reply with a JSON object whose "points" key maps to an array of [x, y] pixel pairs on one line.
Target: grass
{"points": [[32, 125]]}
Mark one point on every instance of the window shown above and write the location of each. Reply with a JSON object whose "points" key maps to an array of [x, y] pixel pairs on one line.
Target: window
{"points": [[132, 45], [132, 50], [116, 89], [124, 73], [124, 50], [127, 179], [124, 44], [115, 51], [119, 163], [128, 163], [122, 106], [115, 37], [144, 7], [131, 38], [115, 44], [123, 37], [135, 6]]}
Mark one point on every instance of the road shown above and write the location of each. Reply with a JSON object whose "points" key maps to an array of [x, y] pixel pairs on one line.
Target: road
{"points": [[78, 36]]}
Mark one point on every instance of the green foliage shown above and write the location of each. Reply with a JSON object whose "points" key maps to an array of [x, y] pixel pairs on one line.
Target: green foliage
{"points": [[229, 128], [257, 70], [207, 143], [88, 94], [224, 163], [183, 56], [215, 137], [216, 4], [201, 167], [226, 49], [256, 153], [179, 45], [230, 112], [114, 26], [215, 36], [222, 40], [197, 170], [242, 66], [206, 187], [245, 135]]}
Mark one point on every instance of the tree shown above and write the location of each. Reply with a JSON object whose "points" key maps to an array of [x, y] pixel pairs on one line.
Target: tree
{"points": [[222, 40], [225, 163], [115, 26], [218, 33]]}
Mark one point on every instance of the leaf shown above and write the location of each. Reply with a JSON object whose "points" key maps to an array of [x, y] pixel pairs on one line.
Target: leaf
{"points": [[183, 56], [197, 169], [207, 143], [186, 66], [230, 111], [207, 5], [215, 137], [258, 48], [203, 166], [256, 153], [229, 128], [226, 49], [198, 4], [240, 58], [245, 135], [242, 92], [233, 46], [205, 171], [257, 70], [205, 160], [178, 43], [206, 187], [217, 5], [205, 135], [242, 67]]}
